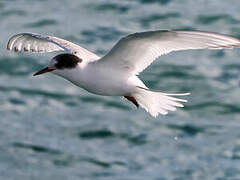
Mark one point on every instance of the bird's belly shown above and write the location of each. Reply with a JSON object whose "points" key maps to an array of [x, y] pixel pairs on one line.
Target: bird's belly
{"points": [[104, 84], [107, 89]]}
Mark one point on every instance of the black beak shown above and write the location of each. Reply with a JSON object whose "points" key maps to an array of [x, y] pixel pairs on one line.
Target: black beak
{"points": [[45, 70]]}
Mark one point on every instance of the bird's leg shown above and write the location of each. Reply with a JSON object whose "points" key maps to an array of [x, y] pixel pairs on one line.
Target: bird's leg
{"points": [[133, 100]]}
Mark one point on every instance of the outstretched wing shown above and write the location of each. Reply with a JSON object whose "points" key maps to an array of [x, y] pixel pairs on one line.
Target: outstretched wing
{"points": [[135, 52], [39, 43]]}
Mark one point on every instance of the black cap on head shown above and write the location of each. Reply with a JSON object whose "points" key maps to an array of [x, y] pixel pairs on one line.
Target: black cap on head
{"points": [[68, 61]]}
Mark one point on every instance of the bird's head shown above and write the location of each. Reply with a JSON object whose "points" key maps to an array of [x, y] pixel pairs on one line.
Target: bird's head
{"points": [[61, 64]]}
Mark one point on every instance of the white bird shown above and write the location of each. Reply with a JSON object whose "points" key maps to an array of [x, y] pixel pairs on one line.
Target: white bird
{"points": [[115, 74]]}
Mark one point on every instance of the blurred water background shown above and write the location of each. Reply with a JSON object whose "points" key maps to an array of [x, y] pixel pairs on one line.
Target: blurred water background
{"points": [[50, 129]]}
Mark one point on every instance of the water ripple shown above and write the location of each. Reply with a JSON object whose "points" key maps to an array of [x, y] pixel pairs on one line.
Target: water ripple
{"points": [[104, 133], [103, 33], [146, 21], [96, 134], [16, 101], [97, 162], [163, 2], [112, 7], [217, 107], [15, 12], [36, 148], [210, 19], [42, 23], [188, 129], [16, 66], [31, 92]]}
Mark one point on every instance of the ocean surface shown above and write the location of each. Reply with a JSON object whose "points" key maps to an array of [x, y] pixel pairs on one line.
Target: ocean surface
{"points": [[51, 129]]}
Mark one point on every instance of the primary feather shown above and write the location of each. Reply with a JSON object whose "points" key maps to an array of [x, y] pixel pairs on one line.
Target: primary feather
{"points": [[41, 44], [135, 52]]}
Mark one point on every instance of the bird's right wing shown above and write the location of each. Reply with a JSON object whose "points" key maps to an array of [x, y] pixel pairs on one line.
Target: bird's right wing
{"points": [[135, 52], [41, 43]]}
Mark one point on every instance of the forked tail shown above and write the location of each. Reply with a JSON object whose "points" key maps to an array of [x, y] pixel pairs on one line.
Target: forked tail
{"points": [[157, 102]]}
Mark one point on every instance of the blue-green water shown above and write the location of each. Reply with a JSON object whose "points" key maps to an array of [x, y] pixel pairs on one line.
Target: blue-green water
{"points": [[50, 129]]}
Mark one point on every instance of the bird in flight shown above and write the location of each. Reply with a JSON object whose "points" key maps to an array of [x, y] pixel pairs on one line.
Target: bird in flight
{"points": [[116, 73]]}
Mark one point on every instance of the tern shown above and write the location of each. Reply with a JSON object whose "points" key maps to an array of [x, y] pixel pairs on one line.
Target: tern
{"points": [[116, 73]]}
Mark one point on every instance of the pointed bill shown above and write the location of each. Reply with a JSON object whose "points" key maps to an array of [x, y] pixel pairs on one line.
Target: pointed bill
{"points": [[45, 70]]}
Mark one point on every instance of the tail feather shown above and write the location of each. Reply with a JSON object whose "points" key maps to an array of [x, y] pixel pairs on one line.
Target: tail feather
{"points": [[157, 102]]}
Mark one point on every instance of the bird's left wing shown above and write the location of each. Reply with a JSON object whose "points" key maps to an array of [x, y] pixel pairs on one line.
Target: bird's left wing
{"points": [[135, 52], [41, 43]]}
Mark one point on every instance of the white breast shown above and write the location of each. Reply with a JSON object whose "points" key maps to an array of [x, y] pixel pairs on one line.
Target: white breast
{"points": [[98, 80]]}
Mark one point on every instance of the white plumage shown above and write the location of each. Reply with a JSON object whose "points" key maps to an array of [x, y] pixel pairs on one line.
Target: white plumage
{"points": [[30, 42], [115, 74], [137, 51]]}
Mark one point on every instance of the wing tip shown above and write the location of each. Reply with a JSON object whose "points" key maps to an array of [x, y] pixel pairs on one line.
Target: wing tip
{"points": [[11, 41], [16, 49], [12, 46], [9, 44]]}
